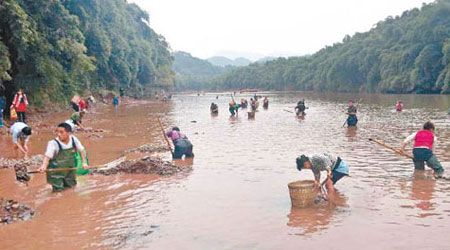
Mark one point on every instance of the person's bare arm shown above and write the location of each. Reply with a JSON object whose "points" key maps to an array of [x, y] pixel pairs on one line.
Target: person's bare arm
{"points": [[45, 164], [83, 157]]}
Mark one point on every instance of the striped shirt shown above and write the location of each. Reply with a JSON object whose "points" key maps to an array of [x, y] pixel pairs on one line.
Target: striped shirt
{"points": [[322, 162]]}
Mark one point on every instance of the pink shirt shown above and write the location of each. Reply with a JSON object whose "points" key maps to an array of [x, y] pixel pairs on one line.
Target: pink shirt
{"points": [[174, 135]]}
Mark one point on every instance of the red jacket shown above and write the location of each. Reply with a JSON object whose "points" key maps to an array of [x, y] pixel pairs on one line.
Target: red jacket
{"points": [[424, 138], [20, 102]]}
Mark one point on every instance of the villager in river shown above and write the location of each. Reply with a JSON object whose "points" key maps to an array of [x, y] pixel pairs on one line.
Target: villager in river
{"points": [[234, 107], [424, 142], [336, 168], [300, 108], [244, 103], [75, 119], [399, 106], [60, 154], [253, 104], [352, 120], [266, 103], [182, 144], [20, 104], [21, 133], [214, 108]]}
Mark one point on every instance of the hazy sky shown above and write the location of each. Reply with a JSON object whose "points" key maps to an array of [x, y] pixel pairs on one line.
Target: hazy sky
{"points": [[257, 28]]}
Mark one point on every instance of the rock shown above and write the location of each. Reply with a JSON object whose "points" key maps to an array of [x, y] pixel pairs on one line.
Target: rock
{"points": [[34, 160], [12, 211]]}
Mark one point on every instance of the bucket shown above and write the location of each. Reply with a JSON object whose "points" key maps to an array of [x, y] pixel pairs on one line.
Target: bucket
{"points": [[251, 115], [302, 193]]}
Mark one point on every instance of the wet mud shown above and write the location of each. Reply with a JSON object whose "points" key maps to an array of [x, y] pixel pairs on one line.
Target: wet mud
{"points": [[145, 165]]}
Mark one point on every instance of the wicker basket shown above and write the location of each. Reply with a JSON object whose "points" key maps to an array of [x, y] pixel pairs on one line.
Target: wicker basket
{"points": [[251, 115], [302, 193]]}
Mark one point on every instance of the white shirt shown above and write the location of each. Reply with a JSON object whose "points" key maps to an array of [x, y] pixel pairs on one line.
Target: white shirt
{"points": [[16, 131], [412, 136], [53, 148]]}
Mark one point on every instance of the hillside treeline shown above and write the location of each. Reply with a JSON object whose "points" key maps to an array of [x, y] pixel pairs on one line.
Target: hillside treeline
{"points": [[55, 48]]}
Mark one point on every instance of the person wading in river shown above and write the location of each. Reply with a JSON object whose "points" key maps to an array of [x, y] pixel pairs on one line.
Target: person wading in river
{"points": [[214, 108], [75, 119], [21, 133], [424, 143], [300, 108], [182, 144], [60, 153], [399, 106], [336, 168], [352, 120], [266, 103]]}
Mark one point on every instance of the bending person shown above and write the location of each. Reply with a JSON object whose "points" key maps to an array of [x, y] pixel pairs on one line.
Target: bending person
{"points": [[424, 143], [182, 144], [21, 133], [336, 168]]}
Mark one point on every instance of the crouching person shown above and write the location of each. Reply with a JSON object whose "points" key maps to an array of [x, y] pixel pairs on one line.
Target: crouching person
{"points": [[60, 154], [182, 144], [336, 168]]}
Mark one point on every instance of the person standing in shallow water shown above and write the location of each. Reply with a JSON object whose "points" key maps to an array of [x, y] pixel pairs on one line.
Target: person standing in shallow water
{"points": [[214, 108], [21, 133], [399, 106], [60, 153], [336, 168], [424, 143], [352, 120], [266, 103], [182, 144]]}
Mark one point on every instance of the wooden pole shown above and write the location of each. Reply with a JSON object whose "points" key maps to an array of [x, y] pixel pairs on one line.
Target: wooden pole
{"points": [[165, 137], [396, 150]]}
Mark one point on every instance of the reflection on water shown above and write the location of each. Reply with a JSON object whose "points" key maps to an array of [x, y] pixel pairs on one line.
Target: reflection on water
{"points": [[318, 217], [236, 197]]}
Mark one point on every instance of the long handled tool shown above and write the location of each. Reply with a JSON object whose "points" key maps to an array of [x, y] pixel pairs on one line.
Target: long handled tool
{"points": [[106, 166], [165, 136], [396, 150]]}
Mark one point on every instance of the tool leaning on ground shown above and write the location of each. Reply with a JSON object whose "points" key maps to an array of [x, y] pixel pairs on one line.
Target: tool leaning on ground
{"points": [[165, 136]]}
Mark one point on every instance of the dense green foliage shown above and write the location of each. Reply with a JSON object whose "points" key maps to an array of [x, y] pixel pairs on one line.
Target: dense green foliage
{"points": [[194, 73], [55, 48], [406, 54]]}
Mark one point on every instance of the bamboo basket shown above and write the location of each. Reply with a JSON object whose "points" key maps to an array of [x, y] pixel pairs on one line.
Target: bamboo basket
{"points": [[302, 193]]}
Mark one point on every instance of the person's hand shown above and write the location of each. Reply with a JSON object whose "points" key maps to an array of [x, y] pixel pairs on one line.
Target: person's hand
{"points": [[26, 149], [316, 184], [330, 175], [85, 166], [42, 169]]}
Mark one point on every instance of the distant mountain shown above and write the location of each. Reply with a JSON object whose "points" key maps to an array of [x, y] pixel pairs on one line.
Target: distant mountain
{"points": [[194, 73], [224, 61], [266, 59], [185, 64]]}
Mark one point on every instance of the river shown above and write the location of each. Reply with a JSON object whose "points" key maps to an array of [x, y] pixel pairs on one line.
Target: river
{"points": [[236, 197]]}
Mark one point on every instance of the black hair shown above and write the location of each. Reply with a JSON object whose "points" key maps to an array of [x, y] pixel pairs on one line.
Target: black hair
{"points": [[26, 130], [66, 127], [176, 129], [428, 126], [300, 161]]}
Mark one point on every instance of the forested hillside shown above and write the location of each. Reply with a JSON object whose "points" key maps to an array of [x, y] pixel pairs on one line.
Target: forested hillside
{"points": [[194, 73], [403, 54], [55, 48]]}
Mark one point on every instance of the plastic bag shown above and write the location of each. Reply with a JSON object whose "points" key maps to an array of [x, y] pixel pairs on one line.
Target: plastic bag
{"points": [[79, 164], [13, 114]]}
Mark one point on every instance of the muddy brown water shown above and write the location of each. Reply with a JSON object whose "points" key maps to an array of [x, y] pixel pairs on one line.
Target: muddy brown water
{"points": [[237, 197]]}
